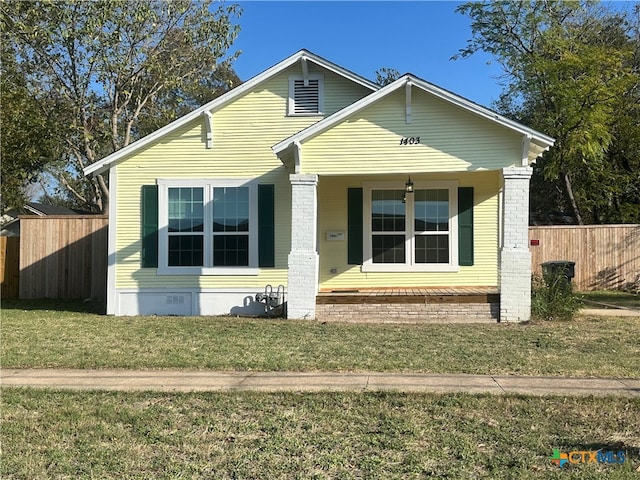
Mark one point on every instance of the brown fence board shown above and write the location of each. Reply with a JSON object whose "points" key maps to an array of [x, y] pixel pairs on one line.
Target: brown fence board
{"points": [[9, 267], [63, 256], [607, 257]]}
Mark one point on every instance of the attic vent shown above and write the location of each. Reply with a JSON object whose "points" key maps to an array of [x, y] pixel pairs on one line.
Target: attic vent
{"points": [[305, 98]]}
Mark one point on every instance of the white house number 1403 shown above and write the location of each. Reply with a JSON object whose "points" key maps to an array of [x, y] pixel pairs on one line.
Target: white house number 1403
{"points": [[409, 140]]}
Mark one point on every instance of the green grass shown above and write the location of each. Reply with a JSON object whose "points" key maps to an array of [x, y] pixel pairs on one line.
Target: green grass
{"points": [[48, 434], [65, 335], [622, 299]]}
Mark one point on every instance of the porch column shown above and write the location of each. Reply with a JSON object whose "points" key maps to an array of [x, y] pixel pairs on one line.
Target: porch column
{"points": [[302, 278], [515, 257]]}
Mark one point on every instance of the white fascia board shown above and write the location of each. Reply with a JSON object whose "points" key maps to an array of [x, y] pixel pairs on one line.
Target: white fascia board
{"points": [[106, 162], [483, 112], [343, 72], [543, 141]]}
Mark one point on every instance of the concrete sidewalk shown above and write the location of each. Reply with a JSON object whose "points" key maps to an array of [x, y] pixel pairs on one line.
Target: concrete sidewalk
{"points": [[610, 312], [185, 381]]}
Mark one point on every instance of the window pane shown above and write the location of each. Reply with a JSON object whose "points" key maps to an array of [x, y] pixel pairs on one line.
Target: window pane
{"points": [[431, 209], [186, 209], [387, 211], [432, 248], [185, 250], [388, 248], [231, 250], [231, 209]]}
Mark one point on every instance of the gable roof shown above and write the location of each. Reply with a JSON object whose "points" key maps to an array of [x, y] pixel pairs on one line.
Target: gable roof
{"points": [[538, 143], [44, 209], [104, 164]]}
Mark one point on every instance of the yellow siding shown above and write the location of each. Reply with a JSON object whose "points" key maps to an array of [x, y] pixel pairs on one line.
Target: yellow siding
{"points": [[332, 198], [244, 132], [451, 140]]}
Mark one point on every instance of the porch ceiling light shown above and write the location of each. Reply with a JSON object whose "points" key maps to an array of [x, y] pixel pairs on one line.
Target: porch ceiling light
{"points": [[408, 186]]}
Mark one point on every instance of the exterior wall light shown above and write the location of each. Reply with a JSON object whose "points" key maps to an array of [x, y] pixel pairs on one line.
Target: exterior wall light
{"points": [[408, 186]]}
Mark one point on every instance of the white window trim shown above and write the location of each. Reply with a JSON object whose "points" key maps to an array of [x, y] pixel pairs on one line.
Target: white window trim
{"points": [[409, 266], [290, 102], [207, 184]]}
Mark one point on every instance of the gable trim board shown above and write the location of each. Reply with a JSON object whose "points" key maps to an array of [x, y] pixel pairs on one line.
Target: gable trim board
{"points": [[322, 202]]}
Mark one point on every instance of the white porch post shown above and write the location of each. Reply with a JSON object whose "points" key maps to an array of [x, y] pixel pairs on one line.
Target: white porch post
{"points": [[302, 277], [515, 257]]}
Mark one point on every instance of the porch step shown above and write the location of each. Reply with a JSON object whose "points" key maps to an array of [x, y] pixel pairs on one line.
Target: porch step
{"points": [[409, 295], [414, 305]]}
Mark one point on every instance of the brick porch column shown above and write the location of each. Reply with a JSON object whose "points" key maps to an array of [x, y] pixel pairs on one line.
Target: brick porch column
{"points": [[302, 278], [515, 257]]}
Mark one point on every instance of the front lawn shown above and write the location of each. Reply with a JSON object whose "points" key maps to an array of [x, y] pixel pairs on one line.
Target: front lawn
{"points": [[253, 435], [66, 335]]}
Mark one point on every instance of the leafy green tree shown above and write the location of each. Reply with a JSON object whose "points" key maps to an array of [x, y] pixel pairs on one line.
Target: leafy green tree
{"points": [[114, 62], [175, 103], [570, 70], [385, 76], [27, 142]]}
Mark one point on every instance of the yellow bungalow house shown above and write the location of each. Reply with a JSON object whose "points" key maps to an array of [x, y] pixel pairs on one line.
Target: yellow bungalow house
{"points": [[348, 199]]}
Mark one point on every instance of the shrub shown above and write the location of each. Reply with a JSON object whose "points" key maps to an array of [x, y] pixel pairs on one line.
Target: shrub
{"points": [[552, 297]]}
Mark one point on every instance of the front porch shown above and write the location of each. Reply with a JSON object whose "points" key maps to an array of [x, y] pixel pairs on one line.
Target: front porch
{"points": [[355, 234], [409, 305]]}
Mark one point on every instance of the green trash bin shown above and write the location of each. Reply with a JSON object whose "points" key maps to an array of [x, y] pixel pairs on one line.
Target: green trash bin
{"points": [[559, 267]]}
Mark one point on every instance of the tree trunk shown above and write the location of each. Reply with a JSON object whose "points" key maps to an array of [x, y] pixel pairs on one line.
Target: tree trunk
{"points": [[572, 199], [104, 190]]}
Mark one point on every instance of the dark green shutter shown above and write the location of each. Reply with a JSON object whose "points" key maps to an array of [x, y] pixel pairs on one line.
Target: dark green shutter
{"points": [[266, 226], [465, 226], [149, 213], [354, 230]]}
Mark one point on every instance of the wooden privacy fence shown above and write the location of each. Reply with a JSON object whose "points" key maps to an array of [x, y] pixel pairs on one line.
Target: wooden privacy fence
{"points": [[607, 257], [63, 256], [9, 266]]}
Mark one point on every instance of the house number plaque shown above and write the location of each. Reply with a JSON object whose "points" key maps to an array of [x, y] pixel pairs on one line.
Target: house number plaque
{"points": [[409, 140]]}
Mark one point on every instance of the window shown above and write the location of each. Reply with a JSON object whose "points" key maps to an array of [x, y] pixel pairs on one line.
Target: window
{"points": [[306, 98], [415, 231], [186, 227], [388, 224], [231, 226], [431, 225], [207, 227]]}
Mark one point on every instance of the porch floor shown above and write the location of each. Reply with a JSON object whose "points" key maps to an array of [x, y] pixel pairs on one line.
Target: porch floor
{"points": [[408, 295]]}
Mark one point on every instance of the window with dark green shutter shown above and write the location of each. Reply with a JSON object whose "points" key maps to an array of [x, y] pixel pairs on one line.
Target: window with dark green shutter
{"points": [[214, 226], [411, 231], [149, 214], [465, 226]]}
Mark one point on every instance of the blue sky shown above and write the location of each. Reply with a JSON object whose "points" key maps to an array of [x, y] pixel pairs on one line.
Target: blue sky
{"points": [[412, 37]]}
